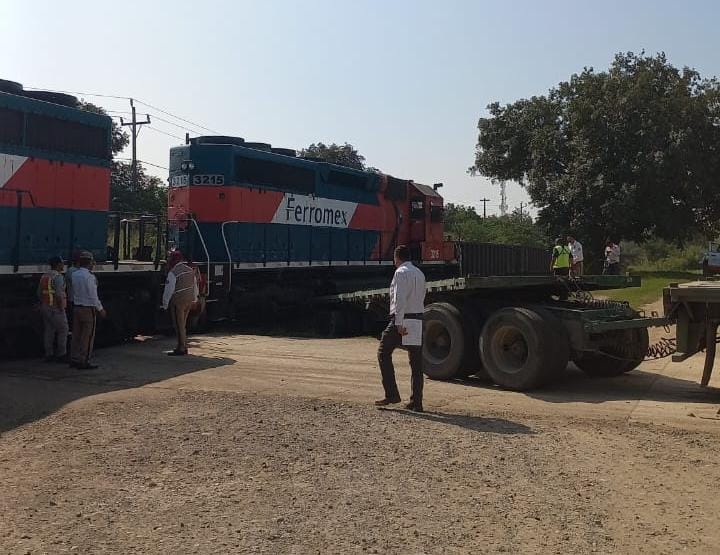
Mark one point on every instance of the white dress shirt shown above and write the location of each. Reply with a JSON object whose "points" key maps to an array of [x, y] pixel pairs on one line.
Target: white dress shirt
{"points": [[576, 251], [84, 289], [407, 292]]}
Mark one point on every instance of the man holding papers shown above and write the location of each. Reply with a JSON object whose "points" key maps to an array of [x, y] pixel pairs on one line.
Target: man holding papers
{"points": [[407, 303]]}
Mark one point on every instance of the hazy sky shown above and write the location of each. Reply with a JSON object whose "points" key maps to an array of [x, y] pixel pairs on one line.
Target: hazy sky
{"points": [[404, 81]]}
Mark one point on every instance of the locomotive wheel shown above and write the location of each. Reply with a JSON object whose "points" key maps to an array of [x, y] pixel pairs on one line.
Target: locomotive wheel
{"points": [[519, 348], [443, 341]]}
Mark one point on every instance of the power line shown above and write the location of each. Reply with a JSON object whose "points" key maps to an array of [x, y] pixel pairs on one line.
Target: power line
{"points": [[176, 117], [81, 93], [128, 98], [144, 162], [155, 116], [151, 128]]}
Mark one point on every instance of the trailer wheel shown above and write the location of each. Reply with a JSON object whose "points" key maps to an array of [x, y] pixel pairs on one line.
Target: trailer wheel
{"points": [[473, 319], [443, 341], [518, 348], [624, 351], [639, 340]]}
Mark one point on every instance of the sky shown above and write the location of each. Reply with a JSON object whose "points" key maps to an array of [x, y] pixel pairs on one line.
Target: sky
{"points": [[403, 81]]}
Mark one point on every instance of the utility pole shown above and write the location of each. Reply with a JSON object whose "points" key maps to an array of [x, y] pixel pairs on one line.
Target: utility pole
{"points": [[135, 125], [484, 201], [521, 209], [503, 199]]}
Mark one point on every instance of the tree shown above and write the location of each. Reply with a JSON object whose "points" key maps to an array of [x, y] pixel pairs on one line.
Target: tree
{"points": [[631, 152], [464, 224], [149, 197], [342, 155]]}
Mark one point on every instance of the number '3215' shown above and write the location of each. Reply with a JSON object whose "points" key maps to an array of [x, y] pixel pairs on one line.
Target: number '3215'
{"points": [[208, 180]]}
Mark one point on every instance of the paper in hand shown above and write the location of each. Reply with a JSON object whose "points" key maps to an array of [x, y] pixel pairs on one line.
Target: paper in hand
{"points": [[413, 337]]}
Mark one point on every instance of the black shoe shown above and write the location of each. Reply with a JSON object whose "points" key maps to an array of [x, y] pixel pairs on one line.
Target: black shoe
{"points": [[86, 366], [414, 407], [176, 353], [384, 402], [62, 360]]}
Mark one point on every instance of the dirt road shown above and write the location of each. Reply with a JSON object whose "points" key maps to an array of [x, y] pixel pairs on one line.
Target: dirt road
{"points": [[270, 445]]}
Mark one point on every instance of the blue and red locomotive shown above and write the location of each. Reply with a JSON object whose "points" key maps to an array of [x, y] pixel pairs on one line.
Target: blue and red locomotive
{"points": [[265, 228], [268, 227]]}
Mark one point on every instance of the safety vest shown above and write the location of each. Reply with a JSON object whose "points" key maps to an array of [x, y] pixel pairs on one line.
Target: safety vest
{"points": [[47, 289], [185, 282], [562, 256]]}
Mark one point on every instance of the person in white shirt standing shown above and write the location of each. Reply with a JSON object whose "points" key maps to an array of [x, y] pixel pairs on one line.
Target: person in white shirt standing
{"points": [[576, 250], [407, 304], [612, 258], [86, 307], [181, 291]]}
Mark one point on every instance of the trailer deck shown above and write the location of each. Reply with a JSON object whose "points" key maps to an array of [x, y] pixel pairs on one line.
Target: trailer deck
{"points": [[695, 308]]}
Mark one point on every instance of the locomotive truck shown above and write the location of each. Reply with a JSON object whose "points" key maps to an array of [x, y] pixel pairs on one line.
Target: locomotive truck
{"points": [[270, 233]]}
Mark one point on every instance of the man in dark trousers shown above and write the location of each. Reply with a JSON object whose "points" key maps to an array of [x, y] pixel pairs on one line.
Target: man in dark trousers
{"points": [[86, 308], [407, 303]]}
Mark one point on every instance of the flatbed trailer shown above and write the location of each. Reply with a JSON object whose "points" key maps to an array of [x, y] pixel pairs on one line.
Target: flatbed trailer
{"points": [[521, 331], [695, 309]]}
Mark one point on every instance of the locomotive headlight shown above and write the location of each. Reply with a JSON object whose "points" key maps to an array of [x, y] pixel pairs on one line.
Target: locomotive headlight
{"points": [[187, 165]]}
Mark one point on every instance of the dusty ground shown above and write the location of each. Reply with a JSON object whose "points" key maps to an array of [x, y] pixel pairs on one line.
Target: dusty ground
{"points": [[270, 445]]}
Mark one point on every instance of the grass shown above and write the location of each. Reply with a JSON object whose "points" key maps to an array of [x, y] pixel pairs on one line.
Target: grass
{"points": [[652, 286]]}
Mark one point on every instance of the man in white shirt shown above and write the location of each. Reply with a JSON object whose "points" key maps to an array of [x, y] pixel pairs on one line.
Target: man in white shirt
{"points": [[407, 304], [86, 307], [612, 258], [576, 250]]}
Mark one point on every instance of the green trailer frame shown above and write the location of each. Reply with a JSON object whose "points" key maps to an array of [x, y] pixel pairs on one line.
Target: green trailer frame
{"points": [[591, 326], [695, 308]]}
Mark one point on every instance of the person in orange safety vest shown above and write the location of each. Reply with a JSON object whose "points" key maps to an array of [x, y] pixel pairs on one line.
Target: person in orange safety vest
{"points": [[53, 304]]}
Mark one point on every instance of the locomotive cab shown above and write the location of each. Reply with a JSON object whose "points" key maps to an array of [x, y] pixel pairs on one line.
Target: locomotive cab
{"points": [[425, 236]]}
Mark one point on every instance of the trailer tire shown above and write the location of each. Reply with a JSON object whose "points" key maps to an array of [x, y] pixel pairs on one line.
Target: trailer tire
{"points": [[640, 343], [443, 346], [629, 349], [473, 319], [518, 348]]}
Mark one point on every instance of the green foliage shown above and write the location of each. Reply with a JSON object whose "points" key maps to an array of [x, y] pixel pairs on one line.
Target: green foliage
{"points": [[629, 153], [150, 195], [342, 155], [464, 224], [660, 255], [650, 290]]}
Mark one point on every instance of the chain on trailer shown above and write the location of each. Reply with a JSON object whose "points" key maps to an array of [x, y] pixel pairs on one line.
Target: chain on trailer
{"points": [[663, 348]]}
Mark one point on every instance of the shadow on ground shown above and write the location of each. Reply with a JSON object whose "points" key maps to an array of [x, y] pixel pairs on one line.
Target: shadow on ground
{"points": [[639, 385], [32, 389], [473, 423]]}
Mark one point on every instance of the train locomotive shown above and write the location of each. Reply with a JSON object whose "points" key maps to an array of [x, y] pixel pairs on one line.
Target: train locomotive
{"points": [[271, 229], [266, 230]]}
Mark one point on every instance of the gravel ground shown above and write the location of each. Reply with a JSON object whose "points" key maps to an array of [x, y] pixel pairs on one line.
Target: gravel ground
{"points": [[166, 470]]}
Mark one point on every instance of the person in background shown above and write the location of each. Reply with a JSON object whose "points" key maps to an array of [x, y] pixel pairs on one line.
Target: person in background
{"points": [[74, 265], [53, 303], [86, 308], [181, 291], [612, 258], [407, 304], [561, 258], [576, 251]]}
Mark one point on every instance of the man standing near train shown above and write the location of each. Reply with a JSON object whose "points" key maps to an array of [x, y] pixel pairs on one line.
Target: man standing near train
{"points": [[53, 303], [407, 304], [181, 292], [86, 308]]}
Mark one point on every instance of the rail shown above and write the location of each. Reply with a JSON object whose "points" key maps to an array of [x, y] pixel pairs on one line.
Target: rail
{"points": [[227, 250]]}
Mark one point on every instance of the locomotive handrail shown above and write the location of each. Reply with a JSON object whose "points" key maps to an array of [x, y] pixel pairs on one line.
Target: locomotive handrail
{"points": [[227, 250], [202, 242]]}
